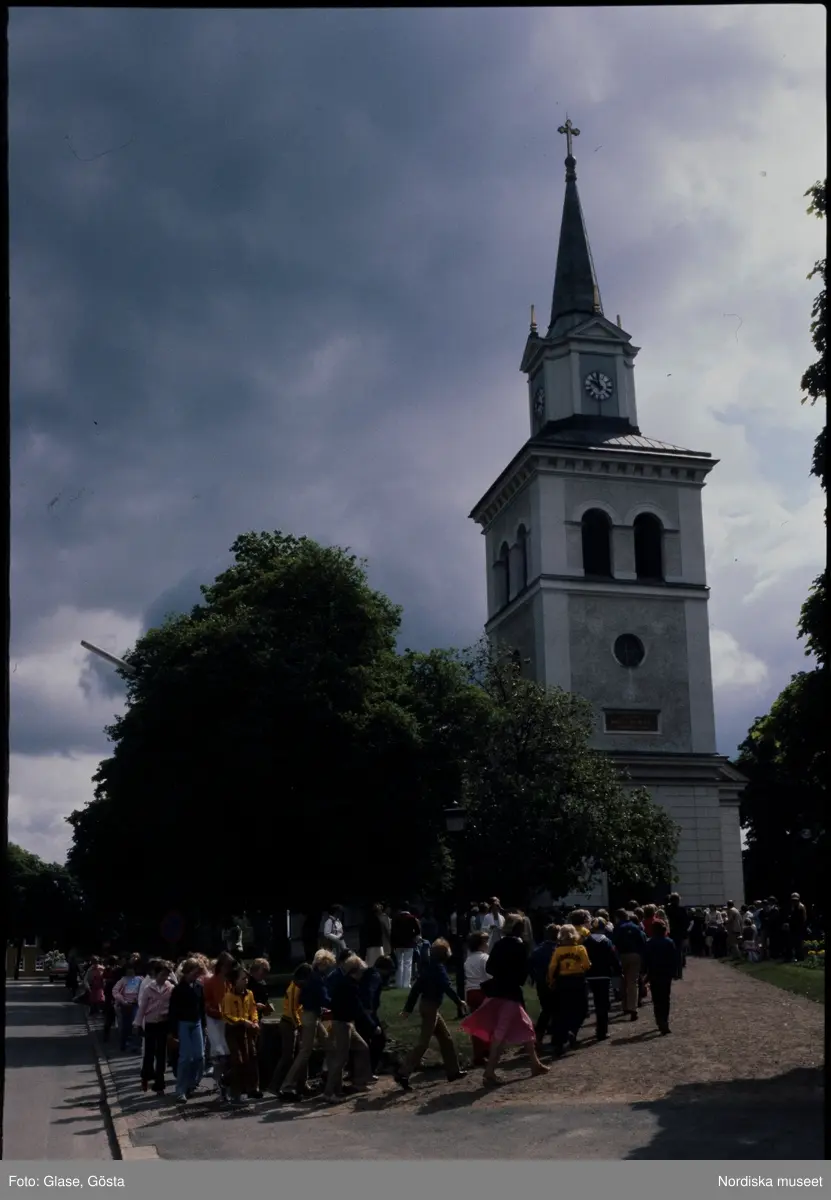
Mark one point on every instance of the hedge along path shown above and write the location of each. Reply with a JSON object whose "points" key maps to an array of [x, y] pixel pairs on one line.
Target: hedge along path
{"points": [[726, 1027]]}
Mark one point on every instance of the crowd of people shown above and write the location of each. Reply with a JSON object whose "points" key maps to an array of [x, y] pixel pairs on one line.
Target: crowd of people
{"points": [[202, 1019], [754, 932]]}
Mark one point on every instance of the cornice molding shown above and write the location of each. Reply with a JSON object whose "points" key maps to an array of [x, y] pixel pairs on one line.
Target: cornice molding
{"points": [[677, 470]]}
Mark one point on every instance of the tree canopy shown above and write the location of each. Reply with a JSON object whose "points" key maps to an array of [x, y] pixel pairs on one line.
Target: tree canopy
{"points": [[546, 812], [784, 755], [42, 900], [278, 751]]}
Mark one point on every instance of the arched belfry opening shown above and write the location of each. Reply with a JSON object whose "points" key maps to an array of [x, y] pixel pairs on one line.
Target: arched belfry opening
{"points": [[597, 544], [649, 547], [502, 570], [522, 557]]}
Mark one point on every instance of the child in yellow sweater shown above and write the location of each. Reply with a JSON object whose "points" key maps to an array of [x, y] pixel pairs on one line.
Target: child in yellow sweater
{"points": [[242, 1027], [291, 1023], [567, 979]]}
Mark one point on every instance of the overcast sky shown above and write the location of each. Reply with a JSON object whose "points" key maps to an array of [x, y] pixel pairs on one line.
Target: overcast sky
{"points": [[273, 270]]}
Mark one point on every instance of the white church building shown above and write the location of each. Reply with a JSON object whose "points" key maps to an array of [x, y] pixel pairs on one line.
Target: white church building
{"points": [[596, 569]]}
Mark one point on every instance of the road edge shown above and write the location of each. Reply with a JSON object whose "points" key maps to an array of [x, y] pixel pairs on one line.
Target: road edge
{"points": [[112, 1104]]}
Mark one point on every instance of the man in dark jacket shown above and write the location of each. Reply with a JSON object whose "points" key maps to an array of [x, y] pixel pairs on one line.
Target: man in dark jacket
{"points": [[660, 960], [679, 923], [538, 965], [605, 965], [629, 940]]}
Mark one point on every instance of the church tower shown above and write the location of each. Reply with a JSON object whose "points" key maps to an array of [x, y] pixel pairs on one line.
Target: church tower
{"points": [[596, 575]]}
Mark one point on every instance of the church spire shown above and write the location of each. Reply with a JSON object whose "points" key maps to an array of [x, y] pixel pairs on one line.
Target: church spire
{"points": [[576, 294]]}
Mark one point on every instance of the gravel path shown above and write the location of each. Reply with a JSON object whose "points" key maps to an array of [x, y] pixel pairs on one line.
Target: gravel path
{"points": [[738, 1046], [726, 1026]]}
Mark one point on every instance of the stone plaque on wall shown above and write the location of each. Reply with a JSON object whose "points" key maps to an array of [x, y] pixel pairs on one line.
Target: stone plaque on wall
{"points": [[633, 720]]}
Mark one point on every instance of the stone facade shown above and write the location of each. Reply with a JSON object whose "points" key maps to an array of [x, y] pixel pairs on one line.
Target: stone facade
{"points": [[586, 455]]}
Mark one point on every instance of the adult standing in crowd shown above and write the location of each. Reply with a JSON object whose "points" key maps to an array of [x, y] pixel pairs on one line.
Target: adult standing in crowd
{"points": [[374, 934], [406, 932], [797, 923], [734, 930], [678, 922], [493, 921], [629, 940], [333, 938], [233, 938]]}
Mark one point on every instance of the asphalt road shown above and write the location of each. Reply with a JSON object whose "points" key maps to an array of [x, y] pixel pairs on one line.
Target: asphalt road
{"points": [[53, 1102], [726, 1124]]}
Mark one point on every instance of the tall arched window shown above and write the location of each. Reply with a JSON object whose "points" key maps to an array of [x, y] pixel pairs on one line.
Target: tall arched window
{"points": [[649, 550], [597, 544], [503, 576], [522, 552]]}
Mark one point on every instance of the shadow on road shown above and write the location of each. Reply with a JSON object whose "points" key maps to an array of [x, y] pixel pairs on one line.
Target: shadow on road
{"points": [[778, 1118]]}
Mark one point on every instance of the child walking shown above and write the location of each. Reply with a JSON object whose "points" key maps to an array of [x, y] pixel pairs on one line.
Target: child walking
{"points": [[242, 1027], [187, 1016], [152, 1014], [125, 1000], [661, 965], [314, 999], [432, 985], [476, 975], [567, 979], [260, 968], [291, 1023], [94, 982], [351, 1030], [214, 988], [502, 1020]]}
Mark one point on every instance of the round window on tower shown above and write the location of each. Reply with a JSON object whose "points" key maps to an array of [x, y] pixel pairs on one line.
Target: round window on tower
{"points": [[629, 650]]}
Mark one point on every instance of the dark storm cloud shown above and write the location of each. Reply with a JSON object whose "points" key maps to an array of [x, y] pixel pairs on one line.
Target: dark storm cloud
{"points": [[238, 289], [271, 269]]}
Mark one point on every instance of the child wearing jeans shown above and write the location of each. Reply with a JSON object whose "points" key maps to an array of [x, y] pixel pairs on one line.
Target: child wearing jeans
{"points": [[242, 1027], [125, 999]]}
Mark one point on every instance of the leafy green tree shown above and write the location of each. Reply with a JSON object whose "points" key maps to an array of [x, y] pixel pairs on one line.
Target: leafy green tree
{"points": [[42, 900], [545, 810], [784, 755], [276, 751], [813, 625], [785, 759]]}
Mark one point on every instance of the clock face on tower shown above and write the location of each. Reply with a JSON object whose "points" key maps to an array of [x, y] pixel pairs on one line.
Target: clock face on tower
{"points": [[598, 385]]}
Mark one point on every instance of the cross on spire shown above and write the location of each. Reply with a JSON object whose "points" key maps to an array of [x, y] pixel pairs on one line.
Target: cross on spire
{"points": [[570, 132]]}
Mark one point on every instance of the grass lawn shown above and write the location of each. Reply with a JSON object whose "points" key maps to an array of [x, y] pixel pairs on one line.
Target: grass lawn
{"points": [[790, 976]]}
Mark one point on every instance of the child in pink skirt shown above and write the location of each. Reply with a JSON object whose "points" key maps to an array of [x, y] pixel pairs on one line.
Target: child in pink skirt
{"points": [[502, 1020]]}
